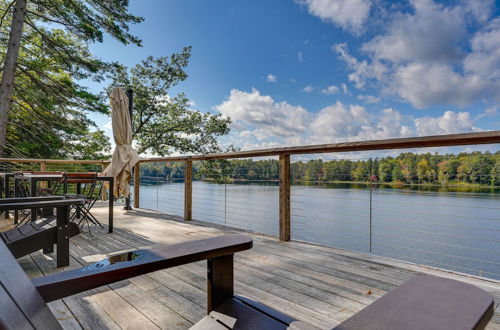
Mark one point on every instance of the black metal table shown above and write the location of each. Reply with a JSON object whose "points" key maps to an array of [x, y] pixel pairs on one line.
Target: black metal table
{"points": [[33, 179]]}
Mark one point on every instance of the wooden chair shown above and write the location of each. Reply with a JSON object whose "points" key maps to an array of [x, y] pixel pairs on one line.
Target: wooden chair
{"points": [[44, 233], [23, 301]]}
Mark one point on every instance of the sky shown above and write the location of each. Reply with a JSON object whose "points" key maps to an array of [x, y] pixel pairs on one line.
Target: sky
{"points": [[323, 71]]}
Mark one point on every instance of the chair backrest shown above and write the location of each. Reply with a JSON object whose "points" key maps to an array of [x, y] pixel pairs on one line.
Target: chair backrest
{"points": [[89, 179], [80, 177], [21, 306], [46, 173]]}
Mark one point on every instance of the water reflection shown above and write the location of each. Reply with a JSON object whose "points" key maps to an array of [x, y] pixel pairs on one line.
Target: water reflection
{"points": [[124, 257]]}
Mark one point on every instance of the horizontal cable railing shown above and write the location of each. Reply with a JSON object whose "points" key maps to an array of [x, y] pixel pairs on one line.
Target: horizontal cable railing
{"points": [[348, 199]]}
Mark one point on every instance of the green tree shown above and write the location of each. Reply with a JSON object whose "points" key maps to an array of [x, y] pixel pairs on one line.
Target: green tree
{"points": [[424, 171], [408, 163], [162, 123], [447, 170], [495, 170], [49, 117], [397, 172], [385, 169], [475, 168], [361, 171], [84, 21]]}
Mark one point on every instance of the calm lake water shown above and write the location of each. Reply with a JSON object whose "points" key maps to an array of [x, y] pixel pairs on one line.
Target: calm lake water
{"points": [[458, 230]]}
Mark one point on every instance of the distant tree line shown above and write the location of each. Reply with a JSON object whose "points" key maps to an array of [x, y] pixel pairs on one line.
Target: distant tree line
{"points": [[407, 168]]}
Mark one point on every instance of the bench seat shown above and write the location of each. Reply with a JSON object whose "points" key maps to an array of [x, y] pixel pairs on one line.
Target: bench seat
{"points": [[33, 236]]}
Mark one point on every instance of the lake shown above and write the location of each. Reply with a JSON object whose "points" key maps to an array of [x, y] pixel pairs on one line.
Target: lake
{"points": [[452, 228]]}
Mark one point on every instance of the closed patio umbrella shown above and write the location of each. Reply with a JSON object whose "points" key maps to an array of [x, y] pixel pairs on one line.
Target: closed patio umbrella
{"points": [[124, 156]]}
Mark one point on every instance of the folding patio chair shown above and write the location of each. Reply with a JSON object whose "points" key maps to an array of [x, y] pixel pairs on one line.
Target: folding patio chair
{"points": [[23, 190], [89, 190]]}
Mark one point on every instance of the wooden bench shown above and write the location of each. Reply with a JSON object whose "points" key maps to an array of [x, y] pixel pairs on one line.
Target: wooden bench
{"points": [[424, 302], [23, 301], [44, 233]]}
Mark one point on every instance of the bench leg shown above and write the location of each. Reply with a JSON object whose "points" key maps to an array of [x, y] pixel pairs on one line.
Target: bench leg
{"points": [[220, 281], [62, 215]]}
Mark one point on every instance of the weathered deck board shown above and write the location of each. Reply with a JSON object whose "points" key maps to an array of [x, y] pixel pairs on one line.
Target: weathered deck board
{"points": [[317, 284]]}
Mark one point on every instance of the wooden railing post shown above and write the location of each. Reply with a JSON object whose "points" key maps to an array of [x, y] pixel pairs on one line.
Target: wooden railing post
{"points": [[43, 168], [137, 183], [104, 194], [188, 190], [284, 197]]}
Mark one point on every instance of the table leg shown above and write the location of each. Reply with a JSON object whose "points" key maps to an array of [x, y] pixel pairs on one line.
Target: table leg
{"points": [[78, 193], [16, 194], [33, 194], [110, 212], [7, 193]]}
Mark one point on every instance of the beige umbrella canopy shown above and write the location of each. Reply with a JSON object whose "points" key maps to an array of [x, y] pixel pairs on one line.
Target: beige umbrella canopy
{"points": [[124, 156]]}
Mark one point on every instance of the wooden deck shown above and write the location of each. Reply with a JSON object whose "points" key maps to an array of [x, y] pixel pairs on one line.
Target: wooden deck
{"points": [[319, 285]]}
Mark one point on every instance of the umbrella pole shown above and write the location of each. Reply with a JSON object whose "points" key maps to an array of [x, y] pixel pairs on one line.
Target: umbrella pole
{"points": [[130, 95]]}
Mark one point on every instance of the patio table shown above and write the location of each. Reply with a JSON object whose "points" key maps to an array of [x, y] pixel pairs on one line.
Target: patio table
{"points": [[33, 179]]}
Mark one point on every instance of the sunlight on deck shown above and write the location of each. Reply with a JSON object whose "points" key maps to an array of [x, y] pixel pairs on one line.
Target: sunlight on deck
{"points": [[322, 286]]}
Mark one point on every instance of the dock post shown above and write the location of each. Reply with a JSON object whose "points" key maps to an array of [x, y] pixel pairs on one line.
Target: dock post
{"points": [[137, 184], [43, 168], [188, 190], [284, 163]]}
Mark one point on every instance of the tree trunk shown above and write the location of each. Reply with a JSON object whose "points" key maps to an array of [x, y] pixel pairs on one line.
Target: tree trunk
{"points": [[9, 68]]}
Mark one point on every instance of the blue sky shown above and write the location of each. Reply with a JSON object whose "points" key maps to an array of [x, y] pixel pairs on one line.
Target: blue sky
{"points": [[323, 71]]}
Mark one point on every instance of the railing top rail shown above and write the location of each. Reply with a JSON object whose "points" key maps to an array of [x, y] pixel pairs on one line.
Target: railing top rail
{"points": [[448, 140], [54, 161], [489, 137]]}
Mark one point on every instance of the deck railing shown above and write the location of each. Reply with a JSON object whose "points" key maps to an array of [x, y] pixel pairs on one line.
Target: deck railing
{"points": [[293, 207]]}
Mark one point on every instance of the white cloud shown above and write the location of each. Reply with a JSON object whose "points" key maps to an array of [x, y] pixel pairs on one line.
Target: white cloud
{"points": [[300, 56], [271, 78], [491, 111], [348, 14], [481, 10], [484, 60], [339, 120], [308, 89], [362, 70], [330, 90], [262, 116], [425, 85], [369, 98], [432, 55], [259, 120], [344, 88], [450, 122], [432, 33]]}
